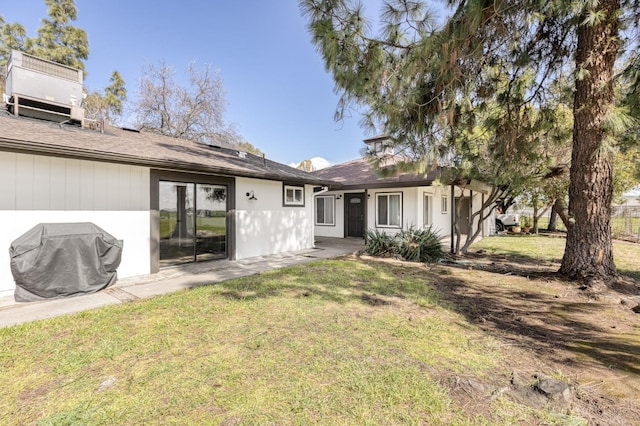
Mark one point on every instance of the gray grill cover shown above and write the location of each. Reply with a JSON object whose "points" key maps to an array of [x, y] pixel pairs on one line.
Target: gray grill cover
{"points": [[54, 260]]}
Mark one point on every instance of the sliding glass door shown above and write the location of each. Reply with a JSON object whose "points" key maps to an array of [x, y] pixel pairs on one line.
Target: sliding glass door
{"points": [[192, 222], [211, 221]]}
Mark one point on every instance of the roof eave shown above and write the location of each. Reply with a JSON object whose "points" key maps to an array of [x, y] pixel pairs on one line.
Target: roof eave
{"points": [[27, 147]]}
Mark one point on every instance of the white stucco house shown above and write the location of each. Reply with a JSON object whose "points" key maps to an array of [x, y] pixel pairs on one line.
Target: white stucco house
{"points": [[166, 200], [361, 199], [171, 201]]}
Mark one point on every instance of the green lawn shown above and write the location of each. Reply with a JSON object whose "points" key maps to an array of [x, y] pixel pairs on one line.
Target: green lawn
{"points": [[332, 342], [619, 225], [551, 249]]}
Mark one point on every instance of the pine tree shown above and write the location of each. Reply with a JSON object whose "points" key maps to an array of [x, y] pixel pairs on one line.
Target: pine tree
{"points": [[57, 40], [493, 65]]}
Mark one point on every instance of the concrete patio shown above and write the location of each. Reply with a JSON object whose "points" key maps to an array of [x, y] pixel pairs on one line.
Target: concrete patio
{"points": [[173, 279]]}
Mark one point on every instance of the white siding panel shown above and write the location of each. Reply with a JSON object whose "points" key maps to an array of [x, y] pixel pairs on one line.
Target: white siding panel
{"points": [[41, 183], [122, 186], [140, 189], [86, 188], [57, 184], [72, 185], [24, 182], [100, 185], [113, 177], [8, 178]]}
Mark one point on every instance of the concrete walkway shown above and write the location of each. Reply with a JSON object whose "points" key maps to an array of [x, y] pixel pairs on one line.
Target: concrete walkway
{"points": [[172, 279]]}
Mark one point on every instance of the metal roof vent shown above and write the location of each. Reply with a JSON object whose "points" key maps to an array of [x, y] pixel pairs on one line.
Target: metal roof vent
{"points": [[43, 89]]}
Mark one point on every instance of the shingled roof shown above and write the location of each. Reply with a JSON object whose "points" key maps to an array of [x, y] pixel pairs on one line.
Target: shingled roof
{"points": [[117, 145], [356, 174]]}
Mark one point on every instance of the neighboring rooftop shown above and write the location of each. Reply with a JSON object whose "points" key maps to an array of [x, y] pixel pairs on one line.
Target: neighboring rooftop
{"points": [[117, 145], [361, 174]]}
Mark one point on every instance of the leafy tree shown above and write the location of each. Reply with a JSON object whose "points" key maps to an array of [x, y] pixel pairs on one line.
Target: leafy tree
{"points": [[306, 165], [247, 146], [191, 112], [493, 63], [107, 106]]}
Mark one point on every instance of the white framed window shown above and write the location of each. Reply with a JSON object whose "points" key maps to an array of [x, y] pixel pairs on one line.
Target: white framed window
{"points": [[389, 210], [445, 204], [427, 219], [325, 210], [293, 195]]}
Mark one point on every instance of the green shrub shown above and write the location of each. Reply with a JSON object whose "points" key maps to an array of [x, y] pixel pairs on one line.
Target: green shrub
{"points": [[378, 243], [419, 245], [413, 244]]}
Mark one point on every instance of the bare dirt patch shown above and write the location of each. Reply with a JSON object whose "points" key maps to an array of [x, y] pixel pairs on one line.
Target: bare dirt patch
{"points": [[548, 327]]}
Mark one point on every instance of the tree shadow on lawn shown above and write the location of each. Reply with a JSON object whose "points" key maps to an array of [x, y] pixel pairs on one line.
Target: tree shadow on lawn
{"points": [[553, 326], [543, 323], [562, 328], [628, 283]]}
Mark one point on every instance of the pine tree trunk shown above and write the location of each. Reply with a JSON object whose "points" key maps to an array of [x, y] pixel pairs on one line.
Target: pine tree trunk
{"points": [[562, 211], [588, 255], [553, 218]]}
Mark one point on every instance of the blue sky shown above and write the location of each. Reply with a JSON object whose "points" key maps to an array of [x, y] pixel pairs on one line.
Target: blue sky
{"points": [[279, 95]]}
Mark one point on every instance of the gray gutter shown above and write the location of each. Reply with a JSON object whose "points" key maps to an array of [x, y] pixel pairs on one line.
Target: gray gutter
{"points": [[403, 184]]}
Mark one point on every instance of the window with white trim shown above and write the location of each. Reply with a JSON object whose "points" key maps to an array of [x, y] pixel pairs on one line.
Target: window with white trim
{"points": [[445, 204], [293, 195], [389, 210], [426, 210], [325, 210]]}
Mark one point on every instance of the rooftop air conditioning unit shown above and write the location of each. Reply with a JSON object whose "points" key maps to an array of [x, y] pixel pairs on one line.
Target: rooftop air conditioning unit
{"points": [[43, 89]]}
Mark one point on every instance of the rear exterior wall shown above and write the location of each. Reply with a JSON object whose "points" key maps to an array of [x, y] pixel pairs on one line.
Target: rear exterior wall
{"points": [[41, 189]]}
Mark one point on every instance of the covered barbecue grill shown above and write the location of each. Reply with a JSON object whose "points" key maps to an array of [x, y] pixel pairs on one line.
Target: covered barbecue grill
{"points": [[54, 260]]}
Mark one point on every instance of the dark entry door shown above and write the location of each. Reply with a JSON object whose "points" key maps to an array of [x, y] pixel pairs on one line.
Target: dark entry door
{"points": [[355, 215], [463, 208]]}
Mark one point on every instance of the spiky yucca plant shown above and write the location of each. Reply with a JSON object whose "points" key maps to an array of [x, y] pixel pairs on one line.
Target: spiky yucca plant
{"points": [[419, 245], [378, 243], [412, 244]]}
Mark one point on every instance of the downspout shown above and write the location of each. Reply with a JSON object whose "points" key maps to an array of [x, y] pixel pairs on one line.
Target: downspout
{"points": [[453, 215], [366, 212], [315, 194]]}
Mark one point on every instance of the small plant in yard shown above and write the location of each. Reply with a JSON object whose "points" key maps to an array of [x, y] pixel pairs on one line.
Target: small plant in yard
{"points": [[419, 245], [378, 243], [413, 244]]}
